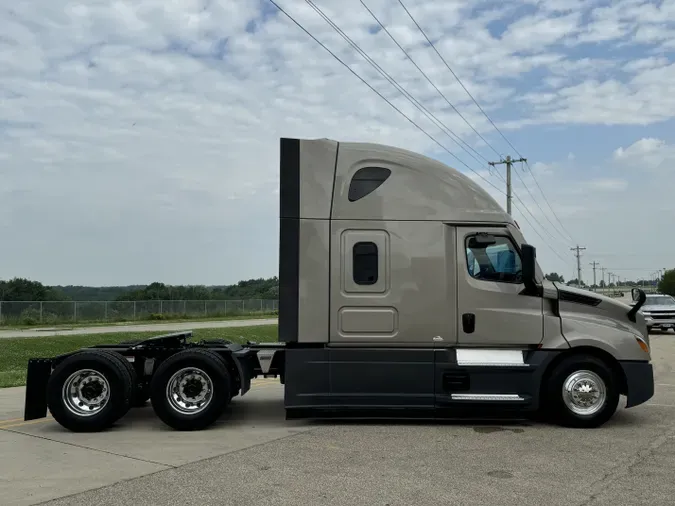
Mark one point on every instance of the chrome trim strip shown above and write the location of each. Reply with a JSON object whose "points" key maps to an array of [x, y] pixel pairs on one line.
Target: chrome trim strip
{"points": [[486, 397]]}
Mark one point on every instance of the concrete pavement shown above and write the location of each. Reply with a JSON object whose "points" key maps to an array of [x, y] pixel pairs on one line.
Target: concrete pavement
{"points": [[254, 456], [160, 328]]}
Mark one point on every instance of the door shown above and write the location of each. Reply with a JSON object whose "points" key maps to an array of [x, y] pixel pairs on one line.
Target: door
{"points": [[491, 309]]}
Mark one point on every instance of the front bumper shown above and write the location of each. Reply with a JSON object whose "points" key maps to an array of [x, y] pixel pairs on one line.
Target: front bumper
{"points": [[639, 382], [657, 323]]}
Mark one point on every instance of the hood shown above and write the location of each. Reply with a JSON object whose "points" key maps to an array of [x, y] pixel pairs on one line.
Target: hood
{"points": [[586, 297], [600, 307]]}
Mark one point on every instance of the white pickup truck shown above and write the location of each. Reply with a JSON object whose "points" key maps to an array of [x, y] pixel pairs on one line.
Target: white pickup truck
{"points": [[659, 312]]}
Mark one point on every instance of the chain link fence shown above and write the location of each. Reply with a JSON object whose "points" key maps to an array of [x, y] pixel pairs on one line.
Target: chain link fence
{"points": [[50, 312]]}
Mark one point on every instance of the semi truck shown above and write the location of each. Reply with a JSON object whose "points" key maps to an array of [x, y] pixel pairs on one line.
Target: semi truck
{"points": [[405, 291]]}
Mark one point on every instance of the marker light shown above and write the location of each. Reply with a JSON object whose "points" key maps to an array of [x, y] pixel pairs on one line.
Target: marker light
{"points": [[642, 344]]}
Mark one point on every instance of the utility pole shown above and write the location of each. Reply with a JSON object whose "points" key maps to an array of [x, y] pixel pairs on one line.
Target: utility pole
{"points": [[508, 162], [595, 265], [578, 250], [603, 269]]}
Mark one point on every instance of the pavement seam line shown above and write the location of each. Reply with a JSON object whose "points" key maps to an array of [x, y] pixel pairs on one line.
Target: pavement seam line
{"points": [[75, 445], [147, 475]]}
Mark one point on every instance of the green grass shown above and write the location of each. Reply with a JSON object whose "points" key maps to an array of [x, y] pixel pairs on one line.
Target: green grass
{"points": [[15, 352]]}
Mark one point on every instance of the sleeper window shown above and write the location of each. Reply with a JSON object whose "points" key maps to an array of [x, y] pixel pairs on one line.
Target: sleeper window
{"points": [[365, 263], [499, 261], [366, 181]]}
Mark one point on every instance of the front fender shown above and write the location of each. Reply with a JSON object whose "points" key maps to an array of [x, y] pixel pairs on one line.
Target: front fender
{"points": [[615, 340]]}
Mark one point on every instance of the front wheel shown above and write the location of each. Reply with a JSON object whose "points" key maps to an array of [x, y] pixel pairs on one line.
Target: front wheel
{"points": [[582, 392], [191, 389]]}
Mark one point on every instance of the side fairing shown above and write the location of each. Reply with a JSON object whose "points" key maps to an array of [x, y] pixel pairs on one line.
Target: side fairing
{"points": [[306, 185]]}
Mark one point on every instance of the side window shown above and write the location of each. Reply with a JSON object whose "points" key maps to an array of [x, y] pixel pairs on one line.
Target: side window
{"points": [[493, 259], [366, 181], [365, 264]]}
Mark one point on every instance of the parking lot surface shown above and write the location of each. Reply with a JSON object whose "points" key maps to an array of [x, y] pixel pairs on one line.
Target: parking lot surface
{"points": [[254, 456]]}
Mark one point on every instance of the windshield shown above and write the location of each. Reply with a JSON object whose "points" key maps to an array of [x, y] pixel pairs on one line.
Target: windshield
{"points": [[660, 301]]}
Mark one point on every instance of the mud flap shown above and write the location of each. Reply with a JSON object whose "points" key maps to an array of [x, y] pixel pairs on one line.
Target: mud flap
{"points": [[39, 370], [640, 382]]}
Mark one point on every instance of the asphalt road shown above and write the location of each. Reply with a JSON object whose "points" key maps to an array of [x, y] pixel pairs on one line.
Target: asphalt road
{"points": [[254, 456], [160, 328]]}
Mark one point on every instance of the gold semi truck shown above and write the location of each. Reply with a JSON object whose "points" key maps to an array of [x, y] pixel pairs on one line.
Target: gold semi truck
{"points": [[405, 291]]}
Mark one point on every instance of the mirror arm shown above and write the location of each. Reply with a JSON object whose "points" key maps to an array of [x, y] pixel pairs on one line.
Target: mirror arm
{"points": [[642, 298]]}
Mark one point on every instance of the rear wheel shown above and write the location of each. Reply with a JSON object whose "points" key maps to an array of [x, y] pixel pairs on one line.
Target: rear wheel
{"points": [[191, 389], [89, 391], [582, 392]]}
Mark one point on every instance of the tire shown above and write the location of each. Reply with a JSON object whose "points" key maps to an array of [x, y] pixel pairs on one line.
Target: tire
{"points": [[582, 371], [141, 391], [205, 368], [105, 375]]}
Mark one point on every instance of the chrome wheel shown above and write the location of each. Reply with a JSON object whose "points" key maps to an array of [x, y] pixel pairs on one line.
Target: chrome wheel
{"points": [[85, 392], [189, 390], [584, 393]]}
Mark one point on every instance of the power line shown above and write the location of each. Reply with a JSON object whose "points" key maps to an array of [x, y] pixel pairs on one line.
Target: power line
{"points": [[391, 80], [412, 99], [546, 200], [459, 81], [484, 113], [536, 220], [509, 188], [515, 194], [537, 203], [422, 72], [540, 236], [405, 116], [379, 94]]}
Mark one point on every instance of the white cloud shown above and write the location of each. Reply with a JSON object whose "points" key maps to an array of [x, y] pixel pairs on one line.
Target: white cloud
{"points": [[607, 184], [648, 154], [139, 140]]}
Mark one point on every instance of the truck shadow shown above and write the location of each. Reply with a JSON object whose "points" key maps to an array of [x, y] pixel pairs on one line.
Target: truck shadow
{"points": [[267, 413]]}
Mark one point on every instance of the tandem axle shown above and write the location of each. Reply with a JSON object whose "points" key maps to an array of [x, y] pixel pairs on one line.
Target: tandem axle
{"points": [[189, 383]]}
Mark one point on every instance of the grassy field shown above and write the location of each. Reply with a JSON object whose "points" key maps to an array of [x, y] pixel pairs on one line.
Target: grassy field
{"points": [[14, 353]]}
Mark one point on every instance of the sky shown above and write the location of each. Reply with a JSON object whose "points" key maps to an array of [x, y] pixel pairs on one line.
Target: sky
{"points": [[139, 140]]}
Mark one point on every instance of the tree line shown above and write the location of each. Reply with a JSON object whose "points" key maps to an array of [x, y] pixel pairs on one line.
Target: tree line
{"points": [[22, 289]]}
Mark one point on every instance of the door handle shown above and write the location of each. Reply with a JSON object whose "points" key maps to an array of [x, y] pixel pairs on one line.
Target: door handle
{"points": [[468, 323]]}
